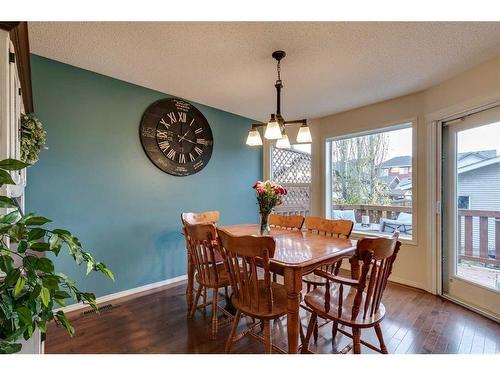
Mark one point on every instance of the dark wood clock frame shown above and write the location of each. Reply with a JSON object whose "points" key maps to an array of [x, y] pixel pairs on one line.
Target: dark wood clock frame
{"points": [[176, 137]]}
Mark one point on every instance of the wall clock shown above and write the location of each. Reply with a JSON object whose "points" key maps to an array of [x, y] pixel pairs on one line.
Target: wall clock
{"points": [[176, 137]]}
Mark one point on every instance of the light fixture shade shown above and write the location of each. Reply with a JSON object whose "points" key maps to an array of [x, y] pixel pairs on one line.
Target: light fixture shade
{"points": [[304, 135], [283, 142], [254, 138], [273, 130]]}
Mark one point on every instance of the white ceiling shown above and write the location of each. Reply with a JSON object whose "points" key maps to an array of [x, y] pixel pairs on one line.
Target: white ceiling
{"points": [[330, 66]]}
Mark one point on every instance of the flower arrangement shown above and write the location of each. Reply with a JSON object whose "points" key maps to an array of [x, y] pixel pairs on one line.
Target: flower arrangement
{"points": [[269, 195], [32, 138]]}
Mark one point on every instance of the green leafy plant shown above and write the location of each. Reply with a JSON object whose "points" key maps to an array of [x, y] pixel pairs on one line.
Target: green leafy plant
{"points": [[30, 288], [32, 138]]}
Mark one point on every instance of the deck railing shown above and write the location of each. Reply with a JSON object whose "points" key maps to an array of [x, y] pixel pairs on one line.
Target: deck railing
{"points": [[478, 230], [479, 235], [374, 212]]}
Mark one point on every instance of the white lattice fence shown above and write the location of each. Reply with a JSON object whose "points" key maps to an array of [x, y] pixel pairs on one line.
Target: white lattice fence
{"points": [[292, 169]]}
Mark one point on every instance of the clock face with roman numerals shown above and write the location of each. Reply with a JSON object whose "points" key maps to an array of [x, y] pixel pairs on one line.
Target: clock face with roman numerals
{"points": [[176, 137]]}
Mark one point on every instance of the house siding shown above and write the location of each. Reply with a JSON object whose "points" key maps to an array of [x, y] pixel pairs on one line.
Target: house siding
{"points": [[482, 185]]}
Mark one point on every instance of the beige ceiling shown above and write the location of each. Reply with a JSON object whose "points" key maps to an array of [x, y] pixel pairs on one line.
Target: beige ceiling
{"points": [[330, 66]]}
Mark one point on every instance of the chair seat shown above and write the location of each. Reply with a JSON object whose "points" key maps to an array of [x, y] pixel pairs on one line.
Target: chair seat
{"points": [[261, 311], [223, 277], [313, 279], [315, 300]]}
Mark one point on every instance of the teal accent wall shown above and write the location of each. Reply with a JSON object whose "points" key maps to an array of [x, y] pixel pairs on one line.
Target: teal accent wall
{"points": [[96, 181]]}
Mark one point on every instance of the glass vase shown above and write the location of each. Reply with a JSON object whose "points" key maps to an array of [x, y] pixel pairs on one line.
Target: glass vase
{"points": [[265, 229]]}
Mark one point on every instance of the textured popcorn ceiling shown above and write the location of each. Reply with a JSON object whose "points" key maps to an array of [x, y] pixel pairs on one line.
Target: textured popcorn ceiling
{"points": [[330, 66]]}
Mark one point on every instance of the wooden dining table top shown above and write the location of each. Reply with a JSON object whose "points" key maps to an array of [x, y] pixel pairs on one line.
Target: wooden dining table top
{"points": [[298, 249]]}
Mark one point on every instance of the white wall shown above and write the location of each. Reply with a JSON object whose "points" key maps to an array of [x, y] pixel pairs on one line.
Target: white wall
{"points": [[417, 262]]}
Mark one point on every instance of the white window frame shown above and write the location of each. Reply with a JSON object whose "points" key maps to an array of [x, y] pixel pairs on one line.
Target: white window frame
{"points": [[403, 124]]}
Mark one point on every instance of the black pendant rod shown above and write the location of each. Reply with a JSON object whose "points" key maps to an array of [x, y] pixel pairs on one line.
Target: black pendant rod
{"points": [[278, 86], [278, 55]]}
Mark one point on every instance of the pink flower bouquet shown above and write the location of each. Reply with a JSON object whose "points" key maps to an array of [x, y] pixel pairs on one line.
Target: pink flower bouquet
{"points": [[269, 195]]}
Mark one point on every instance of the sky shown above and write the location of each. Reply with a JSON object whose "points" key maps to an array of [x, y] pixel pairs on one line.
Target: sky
{"points": [[400, 143], [486, 137]]}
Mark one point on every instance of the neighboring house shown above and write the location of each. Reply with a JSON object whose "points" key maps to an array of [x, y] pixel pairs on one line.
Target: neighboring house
{"points": [[478, 188], [399, 166], [398, 169], [467, 158]]}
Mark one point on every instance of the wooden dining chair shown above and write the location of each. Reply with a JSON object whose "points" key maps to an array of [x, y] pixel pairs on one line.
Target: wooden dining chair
{"points": [[203, 246], [356, 301], [200, 217], [254, 294], [330, 228], [291, 222], [207, 217]]}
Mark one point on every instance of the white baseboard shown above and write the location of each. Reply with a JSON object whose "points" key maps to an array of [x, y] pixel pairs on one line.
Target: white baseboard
{"points": [[411, 283], [124, 293]]}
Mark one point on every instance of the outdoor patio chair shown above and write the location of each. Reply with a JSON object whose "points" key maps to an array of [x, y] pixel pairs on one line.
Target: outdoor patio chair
{"points": [[403, 224], [344, 215]]}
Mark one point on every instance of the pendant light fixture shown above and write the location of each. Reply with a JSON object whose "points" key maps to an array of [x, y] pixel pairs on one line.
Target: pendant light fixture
{"points": [[275, 128], [254, 138]]}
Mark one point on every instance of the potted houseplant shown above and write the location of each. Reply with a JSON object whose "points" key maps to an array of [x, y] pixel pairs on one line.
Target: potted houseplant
{"points": [[269, 195], [31, 289], [33, 138]]}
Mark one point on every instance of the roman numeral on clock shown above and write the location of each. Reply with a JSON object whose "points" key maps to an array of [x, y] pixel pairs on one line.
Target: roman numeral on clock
{"points": [[182, 158], [191, 157], [163, 122], [171, 154], [198, 131], [198, 150], [201, 141], [161, 134], [182, 116], [172, 117], [164, 145]]}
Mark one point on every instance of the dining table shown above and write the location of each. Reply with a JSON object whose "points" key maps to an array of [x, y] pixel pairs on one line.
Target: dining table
{"points": [[297, 253]]}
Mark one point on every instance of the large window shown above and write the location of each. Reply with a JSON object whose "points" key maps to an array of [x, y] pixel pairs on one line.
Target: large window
{"points": [[370, 180]]}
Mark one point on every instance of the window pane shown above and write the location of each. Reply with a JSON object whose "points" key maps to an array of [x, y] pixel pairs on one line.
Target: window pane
{"points": [[371, 182]]}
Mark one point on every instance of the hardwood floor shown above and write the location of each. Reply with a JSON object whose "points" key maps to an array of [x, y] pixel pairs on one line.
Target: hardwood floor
{"points": [[416, 322]]}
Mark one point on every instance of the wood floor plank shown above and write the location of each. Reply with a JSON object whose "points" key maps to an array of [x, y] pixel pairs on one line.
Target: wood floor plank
{"points": [[416, 322]]}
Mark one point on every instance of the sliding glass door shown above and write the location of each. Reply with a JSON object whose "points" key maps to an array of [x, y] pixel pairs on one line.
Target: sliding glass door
{"points": [[471, 210]]}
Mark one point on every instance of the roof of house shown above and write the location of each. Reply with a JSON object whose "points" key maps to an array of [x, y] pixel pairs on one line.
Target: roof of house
{"points": [[479, 164], [398, 161], [485, 154]]}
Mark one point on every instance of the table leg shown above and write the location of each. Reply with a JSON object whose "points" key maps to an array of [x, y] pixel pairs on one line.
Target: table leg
{"points": [[293, 285], [190, 282]]}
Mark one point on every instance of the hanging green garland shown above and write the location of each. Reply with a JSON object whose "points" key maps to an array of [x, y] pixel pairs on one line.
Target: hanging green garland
{"points": [[32, 138]]}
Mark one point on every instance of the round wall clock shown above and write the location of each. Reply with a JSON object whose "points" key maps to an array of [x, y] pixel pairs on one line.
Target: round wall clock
{"points": [[176, 137]]}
